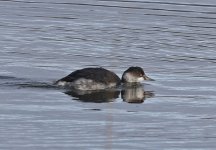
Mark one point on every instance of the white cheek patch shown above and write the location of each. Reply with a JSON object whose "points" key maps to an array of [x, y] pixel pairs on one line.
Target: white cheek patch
{"points": [[131, 78], [140, 79], [61, 83]]}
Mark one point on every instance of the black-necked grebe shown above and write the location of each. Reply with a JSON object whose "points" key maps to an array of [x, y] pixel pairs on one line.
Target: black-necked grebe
{"points": [[100, 78]]}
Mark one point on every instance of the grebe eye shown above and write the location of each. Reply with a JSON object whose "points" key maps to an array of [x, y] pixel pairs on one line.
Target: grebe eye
{"points": [[141, 75]]}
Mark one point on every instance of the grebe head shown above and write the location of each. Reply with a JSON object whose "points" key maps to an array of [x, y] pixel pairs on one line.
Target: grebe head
{"points": [[134, 75]]}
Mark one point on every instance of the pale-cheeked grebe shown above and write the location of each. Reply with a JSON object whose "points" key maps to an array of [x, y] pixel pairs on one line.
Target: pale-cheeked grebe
{"points": [[100, 78]]}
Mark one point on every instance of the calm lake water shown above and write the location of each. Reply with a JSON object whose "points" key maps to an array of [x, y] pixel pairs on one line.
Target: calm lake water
{"points": [[44, 40]]}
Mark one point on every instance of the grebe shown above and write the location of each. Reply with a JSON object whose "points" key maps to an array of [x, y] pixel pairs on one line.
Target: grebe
{"points": [[100, 78]]}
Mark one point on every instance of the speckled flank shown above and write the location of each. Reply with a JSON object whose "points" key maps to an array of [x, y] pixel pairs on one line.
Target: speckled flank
{"points": [[86, 84]]}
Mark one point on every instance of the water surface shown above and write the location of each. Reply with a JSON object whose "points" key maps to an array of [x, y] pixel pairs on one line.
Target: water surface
{"points": [[42, 41]]}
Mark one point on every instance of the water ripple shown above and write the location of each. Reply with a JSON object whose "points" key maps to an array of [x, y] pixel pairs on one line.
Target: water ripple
{"points": [[42, 41]]}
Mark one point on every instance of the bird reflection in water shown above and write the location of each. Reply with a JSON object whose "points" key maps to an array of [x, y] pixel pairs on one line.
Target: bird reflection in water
{"points": [[129, 94], [100, 96], [135, 94]]}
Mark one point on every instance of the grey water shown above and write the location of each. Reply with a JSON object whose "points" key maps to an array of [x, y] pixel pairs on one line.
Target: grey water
{"points": [[44, 40]]}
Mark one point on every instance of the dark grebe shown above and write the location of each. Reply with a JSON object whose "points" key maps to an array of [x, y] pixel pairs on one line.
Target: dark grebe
{"points": [[100, 78]]}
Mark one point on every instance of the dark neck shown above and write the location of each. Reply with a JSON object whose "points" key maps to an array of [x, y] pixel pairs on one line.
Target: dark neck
{"points": [[123, 80]]}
